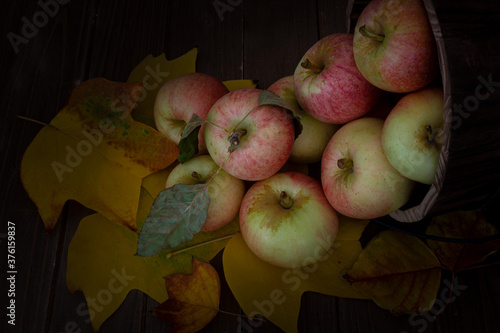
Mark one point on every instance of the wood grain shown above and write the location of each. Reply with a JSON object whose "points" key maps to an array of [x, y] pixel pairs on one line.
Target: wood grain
{"points": [[252, 40]]}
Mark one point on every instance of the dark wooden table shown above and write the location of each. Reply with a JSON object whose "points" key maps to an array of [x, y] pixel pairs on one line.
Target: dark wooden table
{"points": [[80, 40]]}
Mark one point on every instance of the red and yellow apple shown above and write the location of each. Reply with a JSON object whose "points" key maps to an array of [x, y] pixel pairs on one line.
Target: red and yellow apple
{"points": [[412, 134], [309, 145], [287, 221], [394, 46], [224, 191], [180, 98], [356, 176], [328, 84], [264, 137]]}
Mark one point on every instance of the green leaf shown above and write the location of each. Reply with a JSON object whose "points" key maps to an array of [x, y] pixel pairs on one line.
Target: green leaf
{"points": [[177, 214], [268, 97], [188, 146]]}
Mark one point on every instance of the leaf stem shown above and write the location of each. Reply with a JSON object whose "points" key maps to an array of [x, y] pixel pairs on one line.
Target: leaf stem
{"points": [[171, 254], [448, 300], [225, 312], [211, 179], [480, 266], [217, 125], [34, 121], [207, 183], [48, 125], [243, 119], [266, 97], [240, 315], [220, 168]]}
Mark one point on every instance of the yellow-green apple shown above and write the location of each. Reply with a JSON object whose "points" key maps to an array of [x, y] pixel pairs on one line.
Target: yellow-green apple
{"points": [[394, 46], [263, 135], [412, 134], [311, 142], [356, 176], [287, 221], [178, 99], [224, 191], [328, 84]]}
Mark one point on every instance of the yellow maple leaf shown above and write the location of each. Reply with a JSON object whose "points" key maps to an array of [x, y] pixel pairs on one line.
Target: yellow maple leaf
{"points": [[239, 84], [275, 292], [155, 182], [154, 72], [103, 265], [95, 153]]}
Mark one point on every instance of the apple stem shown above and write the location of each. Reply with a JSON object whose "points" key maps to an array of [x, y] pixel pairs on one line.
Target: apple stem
{"points": [[236, 137], [345, 163], [196, 175], [307, 64], [430, 134], [285, 200], [366, 33]]}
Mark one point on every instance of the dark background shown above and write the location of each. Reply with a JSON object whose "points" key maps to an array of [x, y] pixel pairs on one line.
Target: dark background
{"points": [[261, 40]]}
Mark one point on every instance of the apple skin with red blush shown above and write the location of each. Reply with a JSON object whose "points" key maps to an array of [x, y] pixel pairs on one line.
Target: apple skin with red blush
{"points": [[178, 99], [328, 84], [263, 135], [394, 46]]}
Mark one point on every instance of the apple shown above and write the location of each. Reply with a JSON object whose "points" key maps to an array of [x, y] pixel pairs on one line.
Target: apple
{"points": [[225, 191], [263, 138], [328, 84], [178, 99], [287, 221], [394, 46], [356, 176], [315, 135], [412, 134]]}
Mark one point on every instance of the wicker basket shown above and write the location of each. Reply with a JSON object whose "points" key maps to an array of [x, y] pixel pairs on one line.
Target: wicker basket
{"points": [[469, 166]]}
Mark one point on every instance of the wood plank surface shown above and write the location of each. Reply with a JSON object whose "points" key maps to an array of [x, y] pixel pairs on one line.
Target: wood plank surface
{"points": [[261, 40], [36, 81]]}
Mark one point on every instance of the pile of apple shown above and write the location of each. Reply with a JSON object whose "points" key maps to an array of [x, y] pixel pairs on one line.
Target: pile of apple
{"points": [[372, 152]]}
